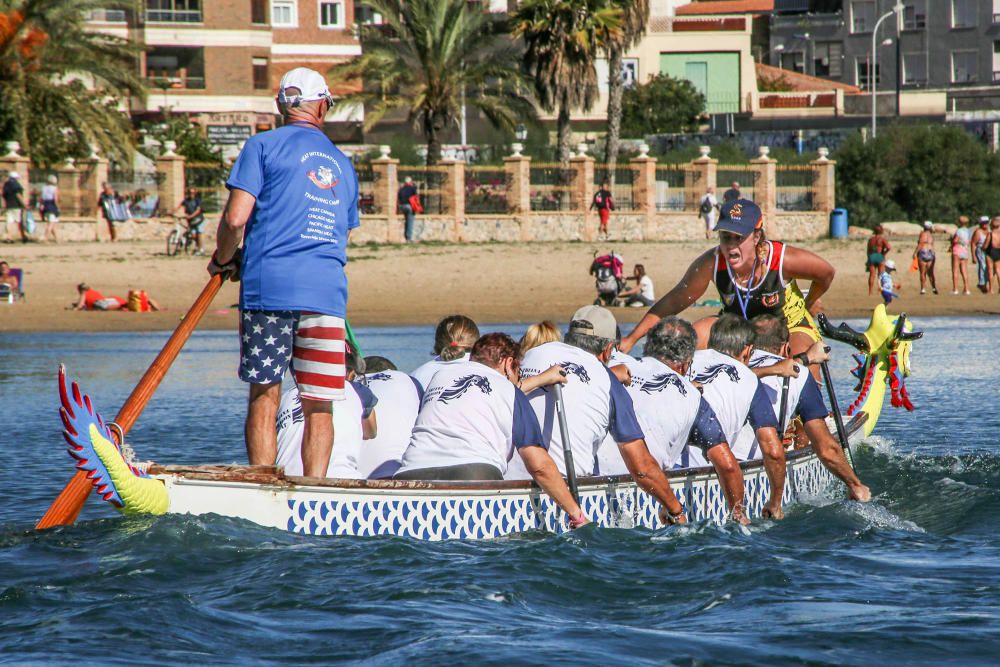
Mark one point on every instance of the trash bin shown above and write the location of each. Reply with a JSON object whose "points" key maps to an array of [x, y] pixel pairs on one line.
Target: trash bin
{"points": [[838, 223]]}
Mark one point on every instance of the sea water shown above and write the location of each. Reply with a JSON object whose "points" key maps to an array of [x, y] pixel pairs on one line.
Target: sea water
{"points": [[911, 578]]}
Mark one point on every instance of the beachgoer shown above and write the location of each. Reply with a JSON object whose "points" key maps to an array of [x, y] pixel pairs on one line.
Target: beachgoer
{"points": [[979, 237], [8, 282], [473, 419], [960, 242], [408, 201], [926, 257], [672, 412], [804, 399], [354, 422], [886, 284], [992, 249], [878, 248], [13, 203], [140, 302], [193, 215], [50, 208], [604, 203], [708, 208], [91, 299], [399, 398], [753, 275], [454, 337], [293, 201], [106, 203], [539, 334], [732, 194], [737, 397], [642, 294], [596, 405]]}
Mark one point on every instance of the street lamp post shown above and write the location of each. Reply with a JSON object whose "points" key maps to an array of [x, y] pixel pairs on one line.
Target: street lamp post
{"points": [[896, 9]]}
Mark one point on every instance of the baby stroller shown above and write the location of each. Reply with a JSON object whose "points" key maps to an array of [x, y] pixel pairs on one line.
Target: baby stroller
{"points": [[609, 279]]}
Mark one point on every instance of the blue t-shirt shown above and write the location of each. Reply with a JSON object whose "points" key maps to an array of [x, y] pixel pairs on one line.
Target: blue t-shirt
{"points": [[295, 244]]}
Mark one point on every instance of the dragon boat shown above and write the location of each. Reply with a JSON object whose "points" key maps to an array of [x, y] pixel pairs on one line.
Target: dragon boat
{"points": [[461, 510]]}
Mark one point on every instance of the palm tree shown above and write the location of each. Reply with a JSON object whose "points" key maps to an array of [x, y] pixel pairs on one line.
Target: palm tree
{"points": [[562, 40], [635, 15], [61, 84], [430, 55]]}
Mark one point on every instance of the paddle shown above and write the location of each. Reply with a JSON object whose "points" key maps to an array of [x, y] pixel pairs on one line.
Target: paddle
{"points": [[785, 382], [838, 418], [68, 504], [567, 449]]}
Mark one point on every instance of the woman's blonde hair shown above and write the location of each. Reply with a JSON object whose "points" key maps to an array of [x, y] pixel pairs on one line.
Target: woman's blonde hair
{"points": [[455, 335], [539, 334]]}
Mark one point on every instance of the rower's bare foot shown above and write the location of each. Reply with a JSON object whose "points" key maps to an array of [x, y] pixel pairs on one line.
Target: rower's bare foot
{"points": [[861, 493], [773, 511]]}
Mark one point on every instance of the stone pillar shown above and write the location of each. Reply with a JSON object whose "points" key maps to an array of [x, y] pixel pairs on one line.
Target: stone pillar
{"points": [[69, 189], [12, 160], [517, 168], [386, 171], [581, 187], [644, 189], [93, 174], [699, 176], [453, 195], [824, 182], [170, 181], [765, 187]]}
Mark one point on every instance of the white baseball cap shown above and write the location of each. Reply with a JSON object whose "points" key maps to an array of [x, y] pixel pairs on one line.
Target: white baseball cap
{"points": [[928, 224], [890, 265], [311, 84], [602, 322], [14, 174]]}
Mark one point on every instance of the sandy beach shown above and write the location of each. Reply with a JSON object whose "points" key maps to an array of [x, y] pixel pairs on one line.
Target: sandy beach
{"points": [[418, 284]]}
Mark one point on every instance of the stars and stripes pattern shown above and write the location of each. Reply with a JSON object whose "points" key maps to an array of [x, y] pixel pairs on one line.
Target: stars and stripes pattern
{"points": [[266, 341]]}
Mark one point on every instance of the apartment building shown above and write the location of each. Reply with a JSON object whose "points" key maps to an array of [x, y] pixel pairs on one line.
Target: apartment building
{"points": [[220, 60]]}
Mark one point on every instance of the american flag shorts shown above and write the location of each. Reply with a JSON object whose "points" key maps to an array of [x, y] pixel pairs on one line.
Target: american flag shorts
{"points": [[312, 344]]}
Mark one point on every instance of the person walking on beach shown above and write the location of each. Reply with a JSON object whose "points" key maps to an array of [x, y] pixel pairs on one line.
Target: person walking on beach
{"points": [[878, 247], [409, 205], [926, 257], [50, 208], [604, 203], [293, 201], [979, 237], [732, 194], [106, 203], [992, 248], [885, 282], [708, 208], [960, 241], [13, 203]]}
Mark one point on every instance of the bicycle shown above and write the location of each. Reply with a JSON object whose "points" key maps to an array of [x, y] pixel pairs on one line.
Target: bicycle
{"points": [[181, 238]]}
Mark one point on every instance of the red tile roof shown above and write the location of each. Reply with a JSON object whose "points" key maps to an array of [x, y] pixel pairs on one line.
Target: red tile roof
{"points": [[726, 7], [804, 82]]}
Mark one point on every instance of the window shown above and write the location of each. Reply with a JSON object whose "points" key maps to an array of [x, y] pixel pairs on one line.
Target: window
{"points": [[794, 61], [173, 11], [862, 15], [996, 12], [175, 67], [365, 15], [284, 14], [827, 59], [915, 15], [996, 61], [963, 66], [258, 11], [260, 74], [862, 67], [963, 13], [331, 14], [914, 68]]}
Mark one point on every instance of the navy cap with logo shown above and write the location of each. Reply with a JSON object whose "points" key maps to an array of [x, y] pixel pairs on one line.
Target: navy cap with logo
{"points": [[740, 216]]}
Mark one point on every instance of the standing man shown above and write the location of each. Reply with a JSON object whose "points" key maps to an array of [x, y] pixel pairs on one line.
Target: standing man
{"points": [[604, 203], [709, 210], [194, 216], [405, 199], [732, 194], [293, 202], [106, 203], [978, 240], [14, 205]]}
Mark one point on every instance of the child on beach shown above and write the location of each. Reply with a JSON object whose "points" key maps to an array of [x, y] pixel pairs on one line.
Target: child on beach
{"points": [[885, 282]]}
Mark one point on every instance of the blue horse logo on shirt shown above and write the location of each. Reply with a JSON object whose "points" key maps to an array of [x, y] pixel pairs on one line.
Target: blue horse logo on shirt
{"points": [[463, 384], [378, 377], [709, 374], [660, 382], [577, 370]]}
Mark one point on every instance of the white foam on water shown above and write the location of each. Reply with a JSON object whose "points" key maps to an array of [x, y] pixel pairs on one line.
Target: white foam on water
{"points": [[877, 516], [498, 597]]}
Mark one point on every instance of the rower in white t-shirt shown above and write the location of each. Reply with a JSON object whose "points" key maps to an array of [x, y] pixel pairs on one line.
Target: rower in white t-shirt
{"points": [[737, 397], [804, 399], [398, 397], [596, 405], [353, 422], [473, 420], [453, 338]]}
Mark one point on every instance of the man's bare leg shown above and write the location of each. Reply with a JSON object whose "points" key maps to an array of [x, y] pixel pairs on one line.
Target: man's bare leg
{"points": [[260, 431], [832, 455], [317, 438]]}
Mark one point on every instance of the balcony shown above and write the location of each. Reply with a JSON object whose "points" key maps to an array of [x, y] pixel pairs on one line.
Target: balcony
{"points": [[173, 16], [174, 81], [105, 15]]}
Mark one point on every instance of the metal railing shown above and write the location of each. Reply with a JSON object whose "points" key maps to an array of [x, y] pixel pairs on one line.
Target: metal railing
{"points": [[550, 188], [621, 190], [726, 175], [795, 187], [367, 183], [209, 181], [486, 190], [173, 16], [105, 15], [670, 187]]}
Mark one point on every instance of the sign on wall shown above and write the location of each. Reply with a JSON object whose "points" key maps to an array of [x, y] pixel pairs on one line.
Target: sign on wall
{"points": [[228, 135]]}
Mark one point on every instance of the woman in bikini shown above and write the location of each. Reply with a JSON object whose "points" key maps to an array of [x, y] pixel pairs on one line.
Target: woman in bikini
{"points": [[878, 247], [925, 257], [960, 254], [753, 276]]}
